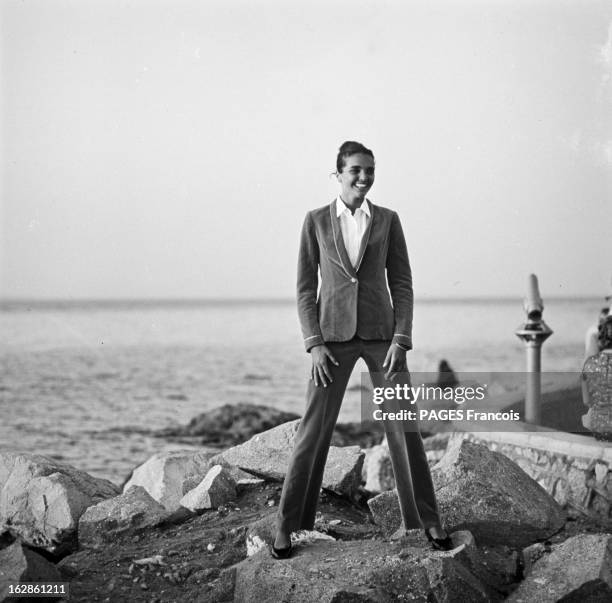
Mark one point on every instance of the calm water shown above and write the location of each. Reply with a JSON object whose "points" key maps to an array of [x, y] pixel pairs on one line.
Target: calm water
{"points": [[78, 381]]}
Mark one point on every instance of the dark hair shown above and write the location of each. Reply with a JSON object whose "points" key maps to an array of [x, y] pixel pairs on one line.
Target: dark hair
{"points": [[604, 335], [348, 148]]}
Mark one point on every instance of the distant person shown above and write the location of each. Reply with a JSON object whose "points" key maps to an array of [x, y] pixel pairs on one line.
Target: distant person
{"points": [[597, 380], [591, 342], [360, 251], [446, 375]]}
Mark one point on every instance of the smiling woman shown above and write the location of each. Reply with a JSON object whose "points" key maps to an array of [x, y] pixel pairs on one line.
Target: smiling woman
{"points": [[360, 252], [355, 172]]}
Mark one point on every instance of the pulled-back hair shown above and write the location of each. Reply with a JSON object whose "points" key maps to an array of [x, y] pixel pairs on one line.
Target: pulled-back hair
{"points": [[605, 333], [348, 148]]}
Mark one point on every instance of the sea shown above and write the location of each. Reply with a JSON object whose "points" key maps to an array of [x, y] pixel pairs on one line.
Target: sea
{"points": [[86, 382]]}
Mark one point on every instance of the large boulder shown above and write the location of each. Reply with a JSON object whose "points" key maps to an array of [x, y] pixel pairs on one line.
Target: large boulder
{"points": [[267, 455], [41, 500], [20, 564], [579, 569], [217, 488], [325, 571], [229, 424], [132, 510], [491, 496], [483, 492], [168, 476]]}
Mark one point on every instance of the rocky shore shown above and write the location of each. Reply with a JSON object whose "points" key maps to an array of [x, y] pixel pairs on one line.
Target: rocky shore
{"points": [[196, 525], [232, 424]]}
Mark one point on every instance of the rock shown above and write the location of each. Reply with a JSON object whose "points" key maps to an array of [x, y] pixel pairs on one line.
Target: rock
{"points": [[267, 455], [342, 473], [150, 561], [579, 569], [483, 492], [486, 493], [326, 571], [205, 575], [363, 433], [530, 555], [245, 483], [6, 539], [20, 564], [217, 488], [260, 534], [233, 424], [132, 510], [386, 512], [230, 424], [244, 480], [437, 442], [434, 456], [41, 500], [377, 470], [309, 536], [377, 473], [497, 567], [168, 476]]}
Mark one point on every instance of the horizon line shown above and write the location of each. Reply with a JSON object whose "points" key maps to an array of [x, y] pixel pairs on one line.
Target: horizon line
{"points": [[42, 301]]}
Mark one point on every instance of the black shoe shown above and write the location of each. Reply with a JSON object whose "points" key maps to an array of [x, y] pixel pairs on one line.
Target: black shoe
{"points": [[440, 544], [283, 553]]}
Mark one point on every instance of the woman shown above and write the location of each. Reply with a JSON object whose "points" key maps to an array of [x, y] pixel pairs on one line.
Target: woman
{"points": [[359, 250]]}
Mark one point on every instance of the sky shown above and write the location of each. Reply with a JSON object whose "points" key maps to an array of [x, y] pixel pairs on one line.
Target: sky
{"points": [[171, 149]]}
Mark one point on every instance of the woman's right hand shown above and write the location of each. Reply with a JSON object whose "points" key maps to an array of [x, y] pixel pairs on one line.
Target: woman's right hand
{"points": [[320, 372]]}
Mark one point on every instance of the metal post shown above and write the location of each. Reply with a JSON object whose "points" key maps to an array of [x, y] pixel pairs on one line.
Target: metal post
{"points": [[534, 333], [533, 412]]}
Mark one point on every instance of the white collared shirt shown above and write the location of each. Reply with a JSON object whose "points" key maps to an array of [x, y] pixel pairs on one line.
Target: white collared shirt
{"points": [[353, 227]]}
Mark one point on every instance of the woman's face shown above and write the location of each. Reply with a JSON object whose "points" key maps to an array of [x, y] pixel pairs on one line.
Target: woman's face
{"points": [[356, 177]]}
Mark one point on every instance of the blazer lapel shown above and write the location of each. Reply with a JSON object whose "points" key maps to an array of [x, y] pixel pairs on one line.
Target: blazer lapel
{"points": [[366, 237], [339, 242]]}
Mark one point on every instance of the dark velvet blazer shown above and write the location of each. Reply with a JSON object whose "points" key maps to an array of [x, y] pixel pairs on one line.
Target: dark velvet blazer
{"points": [[373, 301]]}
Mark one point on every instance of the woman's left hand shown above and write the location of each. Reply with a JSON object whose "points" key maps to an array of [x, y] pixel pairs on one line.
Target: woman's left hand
{"points": [[395, 362]]}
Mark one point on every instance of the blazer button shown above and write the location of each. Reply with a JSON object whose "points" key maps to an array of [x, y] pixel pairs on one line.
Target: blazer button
{"points": [[353, 280]]}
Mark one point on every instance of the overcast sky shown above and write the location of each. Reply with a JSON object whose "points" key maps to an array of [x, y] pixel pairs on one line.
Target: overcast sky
{"points": [[171, 149]]}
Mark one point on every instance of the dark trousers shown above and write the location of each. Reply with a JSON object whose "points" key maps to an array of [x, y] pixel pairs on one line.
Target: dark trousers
{"points": [[300, 495]]}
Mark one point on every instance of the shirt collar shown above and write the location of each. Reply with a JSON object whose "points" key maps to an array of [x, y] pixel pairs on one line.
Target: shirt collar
{"points": [[341, 207]]}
